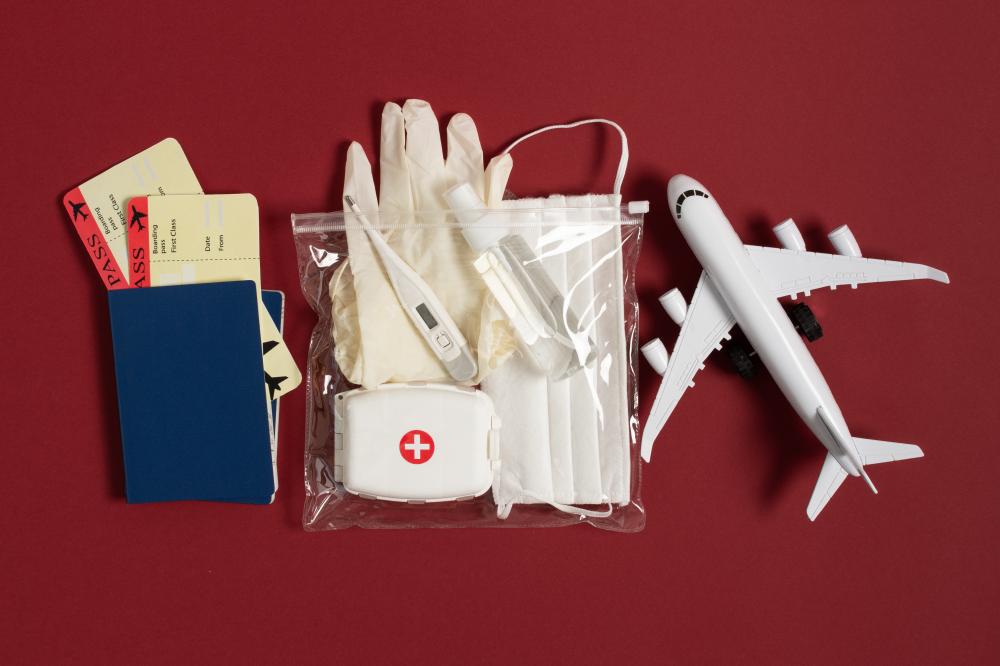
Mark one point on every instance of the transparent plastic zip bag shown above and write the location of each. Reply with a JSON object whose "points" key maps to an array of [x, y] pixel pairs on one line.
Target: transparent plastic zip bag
{"points": [[549, 315]]}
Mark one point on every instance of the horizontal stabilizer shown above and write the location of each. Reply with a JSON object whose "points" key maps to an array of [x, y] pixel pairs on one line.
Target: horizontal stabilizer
{"points": [[874, 452], [830, 478]]}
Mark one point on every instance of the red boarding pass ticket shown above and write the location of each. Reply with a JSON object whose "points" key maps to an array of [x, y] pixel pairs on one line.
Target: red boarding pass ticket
{"points": [[138, 242], [100, 213], [86, 227]]}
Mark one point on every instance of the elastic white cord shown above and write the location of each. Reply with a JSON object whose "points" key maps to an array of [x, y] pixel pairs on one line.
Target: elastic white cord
{"points": [[622, 162], [503, 510], [590, 513]]}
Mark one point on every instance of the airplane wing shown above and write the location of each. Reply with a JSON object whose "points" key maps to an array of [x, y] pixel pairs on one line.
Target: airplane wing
{"points": [[791, 272], [707, 323], [830, 478]]}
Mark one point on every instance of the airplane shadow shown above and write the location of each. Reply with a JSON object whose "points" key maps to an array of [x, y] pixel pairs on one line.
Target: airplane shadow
{"points": [[777, 433], [110, 428], [665, 252]]}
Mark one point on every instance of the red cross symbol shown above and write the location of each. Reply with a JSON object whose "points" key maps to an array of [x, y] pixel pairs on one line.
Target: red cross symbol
{"points": [[416, 447]]}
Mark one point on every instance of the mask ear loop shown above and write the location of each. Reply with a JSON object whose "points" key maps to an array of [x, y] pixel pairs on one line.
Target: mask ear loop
{"points": [[622, 162], [503, 510], [571, 508]]}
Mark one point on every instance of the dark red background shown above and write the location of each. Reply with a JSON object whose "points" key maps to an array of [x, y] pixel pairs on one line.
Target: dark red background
{"points": [[881, 117]]}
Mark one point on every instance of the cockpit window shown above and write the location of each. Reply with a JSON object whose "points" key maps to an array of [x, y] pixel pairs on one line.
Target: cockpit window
{"points": [[685, 195]]}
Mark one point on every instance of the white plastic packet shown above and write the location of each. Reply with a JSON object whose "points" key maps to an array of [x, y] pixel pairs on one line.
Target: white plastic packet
{"points": [[567, 447]]}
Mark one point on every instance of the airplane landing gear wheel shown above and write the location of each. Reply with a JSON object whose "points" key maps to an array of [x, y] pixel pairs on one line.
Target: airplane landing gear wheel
{"points": [[805, 322], [741, 360]]}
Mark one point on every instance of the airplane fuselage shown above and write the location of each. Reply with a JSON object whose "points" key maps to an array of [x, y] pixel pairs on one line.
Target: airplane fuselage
{"points": [[763, 320]]}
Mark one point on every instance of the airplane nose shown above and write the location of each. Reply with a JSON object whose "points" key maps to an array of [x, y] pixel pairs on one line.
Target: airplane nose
{"points": [[679, 188]]}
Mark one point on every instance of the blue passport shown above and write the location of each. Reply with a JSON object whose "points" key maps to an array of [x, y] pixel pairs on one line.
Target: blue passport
{"points": [[191, 396], [274, 303]]}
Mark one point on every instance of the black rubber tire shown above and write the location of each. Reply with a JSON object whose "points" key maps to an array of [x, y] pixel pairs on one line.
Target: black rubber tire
{"points": [[805, 322], [741, 360]]}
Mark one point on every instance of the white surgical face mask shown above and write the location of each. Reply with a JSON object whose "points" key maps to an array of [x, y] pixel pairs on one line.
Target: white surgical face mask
{"points": [[566, 442]]}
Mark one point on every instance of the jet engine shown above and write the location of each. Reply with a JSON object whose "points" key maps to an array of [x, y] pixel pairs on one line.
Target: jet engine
{"points": [[844, 242], [655, 354], [789, 236], [675, 305]]}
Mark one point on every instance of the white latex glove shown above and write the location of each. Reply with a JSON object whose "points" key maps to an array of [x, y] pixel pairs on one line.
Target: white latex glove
{"points": [[374, 340]]}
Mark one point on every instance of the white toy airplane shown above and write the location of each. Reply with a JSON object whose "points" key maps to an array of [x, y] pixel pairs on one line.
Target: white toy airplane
{"points": [[741, 285]]}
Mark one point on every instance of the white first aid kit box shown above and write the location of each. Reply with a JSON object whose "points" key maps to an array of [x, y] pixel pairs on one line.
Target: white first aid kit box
{"points": [[415, 442]]}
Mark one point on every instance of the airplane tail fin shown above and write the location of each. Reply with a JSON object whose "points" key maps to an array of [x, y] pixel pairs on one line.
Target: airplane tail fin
{"points": [[872, 452]]}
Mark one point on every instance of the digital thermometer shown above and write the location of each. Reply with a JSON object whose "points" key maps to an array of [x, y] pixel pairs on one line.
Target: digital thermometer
{"points": [[422, 306]]}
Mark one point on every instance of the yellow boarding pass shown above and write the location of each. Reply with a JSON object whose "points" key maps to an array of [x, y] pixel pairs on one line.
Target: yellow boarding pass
{"points": [[98, 208]]}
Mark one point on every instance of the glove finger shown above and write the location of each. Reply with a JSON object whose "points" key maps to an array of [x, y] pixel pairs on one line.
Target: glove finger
{"points": [[497, 175], [394, 177], [358, 180], [464, 163], [425, 160]]}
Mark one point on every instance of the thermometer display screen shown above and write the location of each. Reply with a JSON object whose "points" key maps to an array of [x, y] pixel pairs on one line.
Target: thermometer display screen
{"points": [[426, 315]]}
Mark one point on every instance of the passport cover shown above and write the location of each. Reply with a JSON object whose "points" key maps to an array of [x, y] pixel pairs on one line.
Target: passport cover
{"points": [[191, 395]]}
